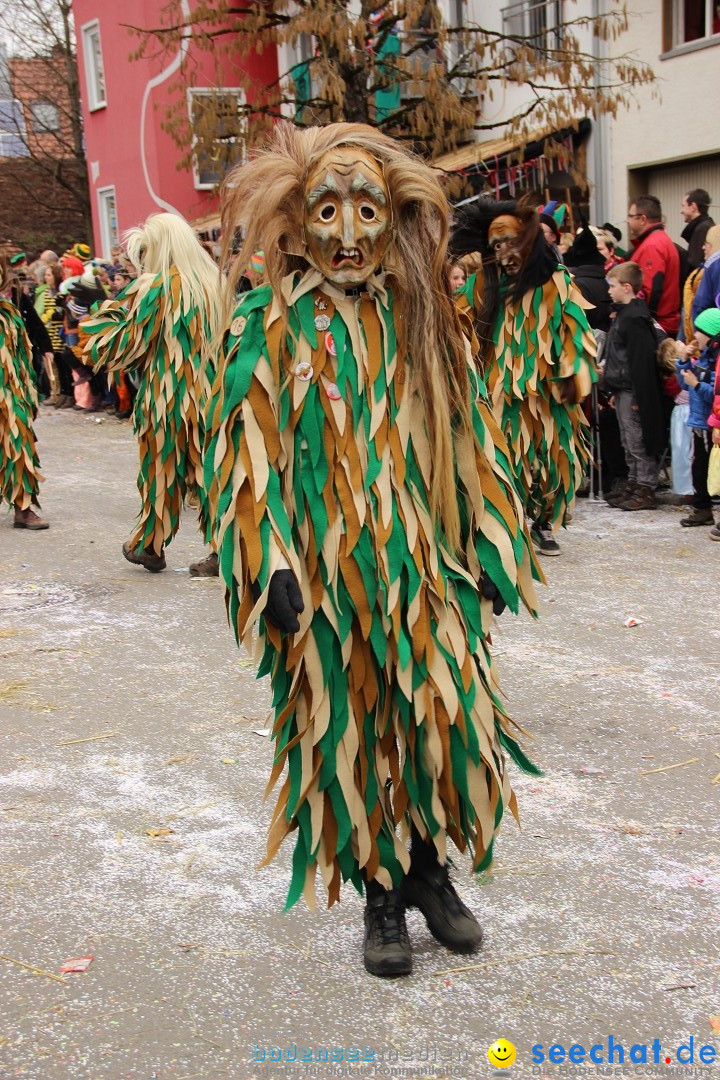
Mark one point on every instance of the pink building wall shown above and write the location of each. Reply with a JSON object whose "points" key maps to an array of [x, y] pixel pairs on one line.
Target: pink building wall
{"points": [[128, 153]]}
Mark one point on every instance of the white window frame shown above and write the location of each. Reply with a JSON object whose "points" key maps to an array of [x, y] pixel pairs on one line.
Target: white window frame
{"points": [[107, 239], [94, 78], [209, 91], [519, 15], [38, 126], [678, 26]]}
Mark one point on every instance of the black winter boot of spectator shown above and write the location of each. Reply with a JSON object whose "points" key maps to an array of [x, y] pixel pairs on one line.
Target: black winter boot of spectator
{"points": [[643, 498], [621, 490]]}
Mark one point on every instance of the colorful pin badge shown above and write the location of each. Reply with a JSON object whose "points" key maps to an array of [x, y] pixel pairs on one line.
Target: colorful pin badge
{"points": [[330, 344], [304, 371], [332, 392], [322, 322], [238, 325]]}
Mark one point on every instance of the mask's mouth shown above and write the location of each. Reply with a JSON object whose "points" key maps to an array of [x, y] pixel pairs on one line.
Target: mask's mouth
{"points": [[510, 264], [348, 256]]}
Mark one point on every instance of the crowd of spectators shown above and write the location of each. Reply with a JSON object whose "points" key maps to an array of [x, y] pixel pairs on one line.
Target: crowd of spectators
{"points": [[656, 312], [53, 293]]}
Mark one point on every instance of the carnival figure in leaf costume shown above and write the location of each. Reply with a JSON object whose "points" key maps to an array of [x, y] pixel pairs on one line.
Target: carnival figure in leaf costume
{"points": [[163, 327], [538, 355], [19, 466], [366, 516]]}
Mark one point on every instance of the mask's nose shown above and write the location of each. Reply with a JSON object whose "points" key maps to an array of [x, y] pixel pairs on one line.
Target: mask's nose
{"points": [[348, 230]]}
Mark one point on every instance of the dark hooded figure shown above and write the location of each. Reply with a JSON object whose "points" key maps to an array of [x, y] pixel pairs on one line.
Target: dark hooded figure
{"points": [[538, 355], [587, 267]]}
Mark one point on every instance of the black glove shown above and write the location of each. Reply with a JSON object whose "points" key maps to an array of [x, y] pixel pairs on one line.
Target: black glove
{"points": [[284, 601], [491, 592]]}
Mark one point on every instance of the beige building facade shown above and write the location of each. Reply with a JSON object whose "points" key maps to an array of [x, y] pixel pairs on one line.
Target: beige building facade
{"points": [[670, 143]]}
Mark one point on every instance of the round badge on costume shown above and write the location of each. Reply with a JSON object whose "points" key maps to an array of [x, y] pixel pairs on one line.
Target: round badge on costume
{"points": [[322, 322], [330, 344], [238, 325], [332, 392], [304, 371]]}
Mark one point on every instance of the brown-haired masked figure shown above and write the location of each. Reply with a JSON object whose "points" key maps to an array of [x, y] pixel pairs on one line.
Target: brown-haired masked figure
{"points": [[19, 466], [365, 514], [538, 355]]}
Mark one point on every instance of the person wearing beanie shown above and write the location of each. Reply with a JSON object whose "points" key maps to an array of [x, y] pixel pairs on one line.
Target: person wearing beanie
{"points": [[83, 294], [71, 266], [614, 237], [81, 252], [696, 370], [549, 226], [19, 465], [587, 266]]}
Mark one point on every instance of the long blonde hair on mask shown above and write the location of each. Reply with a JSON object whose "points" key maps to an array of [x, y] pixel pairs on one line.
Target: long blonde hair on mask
{"points": [[265, 199], [166, 241]]}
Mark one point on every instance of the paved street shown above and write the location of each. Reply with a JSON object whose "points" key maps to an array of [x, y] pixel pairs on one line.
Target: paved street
{"points": [[132, 770]]}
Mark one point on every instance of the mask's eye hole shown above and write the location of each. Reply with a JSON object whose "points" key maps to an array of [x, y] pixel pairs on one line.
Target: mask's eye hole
{"points": [[367, 212], [328, 212]]}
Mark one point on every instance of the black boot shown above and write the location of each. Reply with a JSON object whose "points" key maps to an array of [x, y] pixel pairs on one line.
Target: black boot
{"points": [[387, 950], [429, 889]]}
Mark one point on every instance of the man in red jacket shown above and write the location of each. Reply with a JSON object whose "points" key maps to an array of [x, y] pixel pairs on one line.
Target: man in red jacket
{"points": [[658, 258]]}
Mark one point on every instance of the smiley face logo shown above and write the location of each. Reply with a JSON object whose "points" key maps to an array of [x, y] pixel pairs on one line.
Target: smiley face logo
{"points": [[501, 1053]]}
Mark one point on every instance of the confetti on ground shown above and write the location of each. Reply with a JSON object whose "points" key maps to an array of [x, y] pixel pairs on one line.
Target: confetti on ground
{"points": [[77, 965]]}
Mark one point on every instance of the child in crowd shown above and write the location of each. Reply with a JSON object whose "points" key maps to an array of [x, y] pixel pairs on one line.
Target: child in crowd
{"points": [[680, 433], [457, 275], [697, 373], [632, 377]]}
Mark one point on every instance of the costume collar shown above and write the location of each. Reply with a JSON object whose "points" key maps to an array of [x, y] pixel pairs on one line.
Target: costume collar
{"points": [[293, 288]]}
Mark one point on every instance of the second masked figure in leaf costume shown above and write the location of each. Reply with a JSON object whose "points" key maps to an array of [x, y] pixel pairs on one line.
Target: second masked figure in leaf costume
{"points": [[366, 516], [162, 327], [538, 355], [19, 466]]}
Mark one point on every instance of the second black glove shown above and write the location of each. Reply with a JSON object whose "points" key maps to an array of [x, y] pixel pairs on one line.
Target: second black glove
{"points": [[284, 602], [491, 592]]}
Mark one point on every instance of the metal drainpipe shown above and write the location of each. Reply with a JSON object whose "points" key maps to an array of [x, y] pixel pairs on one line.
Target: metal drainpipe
{"points": [[601, 201]]}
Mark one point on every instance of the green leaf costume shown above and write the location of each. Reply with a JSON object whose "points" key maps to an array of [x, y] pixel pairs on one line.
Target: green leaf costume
{"points": [[157, 329], [387, 706], [19, 466], [540, 343]]}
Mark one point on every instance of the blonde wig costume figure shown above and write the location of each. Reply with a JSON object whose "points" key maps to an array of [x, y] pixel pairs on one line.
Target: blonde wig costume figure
{"points": [[163, 328], [366, 518], [19, 465]]}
